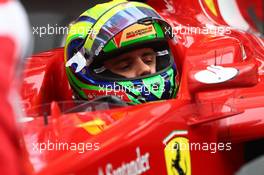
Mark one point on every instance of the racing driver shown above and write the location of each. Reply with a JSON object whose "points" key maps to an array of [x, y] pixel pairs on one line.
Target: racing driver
{"points": [[121, 48]]}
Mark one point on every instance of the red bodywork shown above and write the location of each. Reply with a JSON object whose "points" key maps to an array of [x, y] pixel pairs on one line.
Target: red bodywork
{"points": [[227, 112]]}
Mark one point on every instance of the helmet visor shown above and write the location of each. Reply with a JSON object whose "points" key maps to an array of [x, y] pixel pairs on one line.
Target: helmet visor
{"points": [[96, 41]]}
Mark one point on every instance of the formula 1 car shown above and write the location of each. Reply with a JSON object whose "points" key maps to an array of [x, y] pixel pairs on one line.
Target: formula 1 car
{"points": [[214, 126]]}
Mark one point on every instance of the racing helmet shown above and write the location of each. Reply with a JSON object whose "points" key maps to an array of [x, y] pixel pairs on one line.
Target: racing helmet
{"points": [[107, 30]]}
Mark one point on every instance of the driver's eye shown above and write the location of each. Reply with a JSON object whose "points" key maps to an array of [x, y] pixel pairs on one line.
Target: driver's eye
{"points": [[123, 67], [148, 58]]}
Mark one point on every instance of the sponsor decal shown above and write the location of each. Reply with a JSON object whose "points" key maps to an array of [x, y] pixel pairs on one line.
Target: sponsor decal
{"points": [[136, 31], [137, 166], [177, 157], [139, 32], [216, 74]]}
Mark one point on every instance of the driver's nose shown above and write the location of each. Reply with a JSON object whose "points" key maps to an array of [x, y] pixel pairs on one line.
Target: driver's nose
{"points": [[142, 68]]}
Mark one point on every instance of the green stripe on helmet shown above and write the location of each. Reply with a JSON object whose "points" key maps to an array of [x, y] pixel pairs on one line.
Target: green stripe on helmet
{"points": [[110, 46], [172, 81], [160, 32]]}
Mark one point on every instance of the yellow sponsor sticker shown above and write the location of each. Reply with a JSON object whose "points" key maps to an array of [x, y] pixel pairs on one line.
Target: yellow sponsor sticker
{"points": [[177, 156], [137, 31], [94, 127]]}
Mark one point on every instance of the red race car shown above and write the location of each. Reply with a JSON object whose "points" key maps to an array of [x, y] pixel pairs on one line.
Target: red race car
{"points": [[215, 125]]}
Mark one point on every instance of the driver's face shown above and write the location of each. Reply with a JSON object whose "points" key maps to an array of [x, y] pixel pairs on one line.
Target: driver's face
{"points": [[133, 64]]}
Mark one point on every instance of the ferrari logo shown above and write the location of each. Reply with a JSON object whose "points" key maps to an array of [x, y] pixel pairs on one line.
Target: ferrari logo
{"points": [[177, 156]]}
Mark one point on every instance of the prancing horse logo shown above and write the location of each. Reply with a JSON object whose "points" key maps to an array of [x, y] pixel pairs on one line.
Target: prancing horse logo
{"points": [[176, 161], [177, 156]]}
